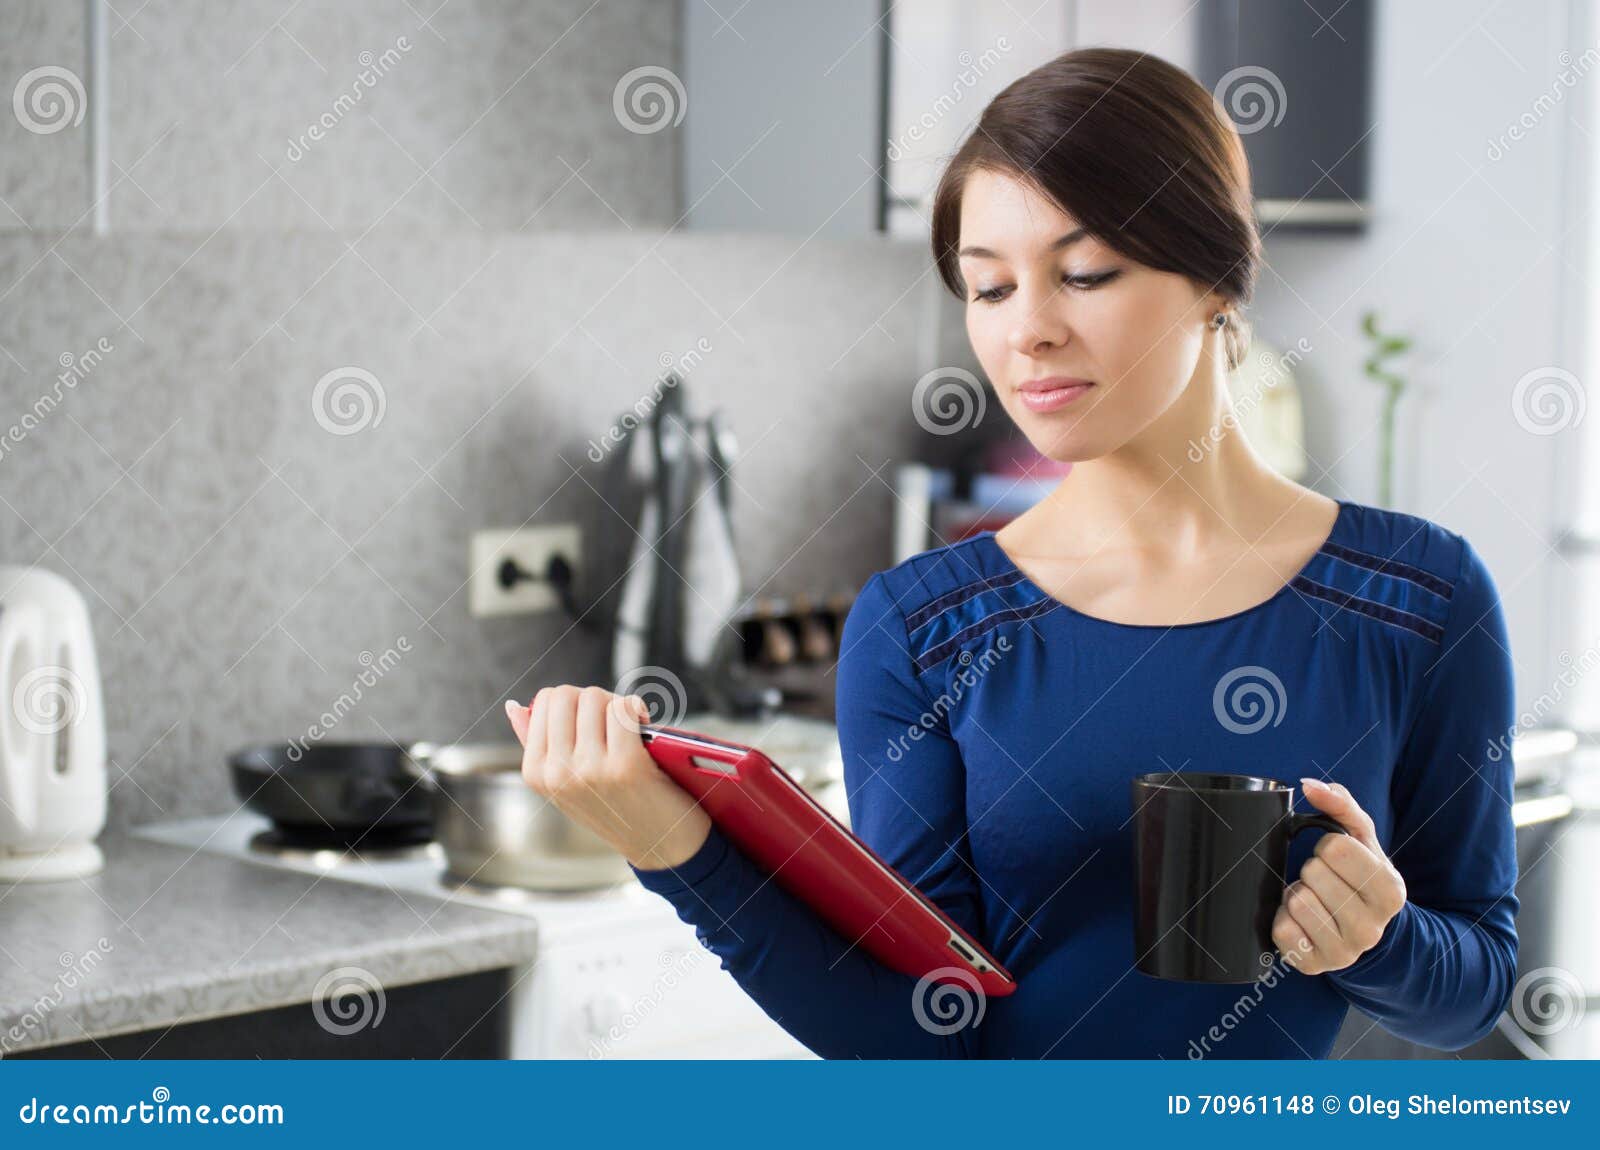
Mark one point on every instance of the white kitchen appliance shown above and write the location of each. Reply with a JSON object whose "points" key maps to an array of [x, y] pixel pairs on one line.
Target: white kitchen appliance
{"points": [[52, 730], [617, 973]]}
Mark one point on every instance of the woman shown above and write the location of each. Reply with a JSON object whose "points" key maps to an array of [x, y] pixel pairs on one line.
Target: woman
{"points": [[1098, 224]]}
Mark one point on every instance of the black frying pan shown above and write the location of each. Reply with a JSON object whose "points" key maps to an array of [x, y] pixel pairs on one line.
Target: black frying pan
{"points": [[334, 786]]}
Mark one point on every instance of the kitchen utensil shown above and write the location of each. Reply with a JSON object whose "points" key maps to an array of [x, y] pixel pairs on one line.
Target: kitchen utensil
{"points": [[497, 831], [674, 637], [336, 789], [52, 730], [1209, 857]]}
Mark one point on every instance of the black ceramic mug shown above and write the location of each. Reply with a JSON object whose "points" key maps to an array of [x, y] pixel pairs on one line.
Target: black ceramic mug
{"points": [[1209, 855]]}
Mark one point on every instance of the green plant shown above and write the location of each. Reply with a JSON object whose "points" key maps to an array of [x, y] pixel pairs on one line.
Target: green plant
{"points": [[1385, 348]]}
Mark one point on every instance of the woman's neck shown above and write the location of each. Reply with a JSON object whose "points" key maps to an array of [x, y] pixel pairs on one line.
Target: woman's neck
{"points": [[1188, 482]]}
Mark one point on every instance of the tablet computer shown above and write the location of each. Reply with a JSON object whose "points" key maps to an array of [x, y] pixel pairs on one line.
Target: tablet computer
{"points": [[815, 857]]}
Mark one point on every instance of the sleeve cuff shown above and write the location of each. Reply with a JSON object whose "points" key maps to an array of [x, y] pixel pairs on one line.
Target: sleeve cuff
{"points": [[692, 871]]}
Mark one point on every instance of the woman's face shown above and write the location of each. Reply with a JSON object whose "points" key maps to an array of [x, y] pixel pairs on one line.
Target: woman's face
{"points": [[1045, 300]]}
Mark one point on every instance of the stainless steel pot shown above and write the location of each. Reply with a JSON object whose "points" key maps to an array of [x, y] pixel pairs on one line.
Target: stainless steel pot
{"points": [[496, 831]]}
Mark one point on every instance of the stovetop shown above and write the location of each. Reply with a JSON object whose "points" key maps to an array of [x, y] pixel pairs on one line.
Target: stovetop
{"points": [[413, 869]]}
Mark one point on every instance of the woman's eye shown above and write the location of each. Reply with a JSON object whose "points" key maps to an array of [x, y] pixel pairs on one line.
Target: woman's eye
{"points": [[1091, 280], [1085, 282]]}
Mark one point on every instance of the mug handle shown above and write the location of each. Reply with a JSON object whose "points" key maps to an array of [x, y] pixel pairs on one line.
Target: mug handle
{"points": [[1298, 823]]}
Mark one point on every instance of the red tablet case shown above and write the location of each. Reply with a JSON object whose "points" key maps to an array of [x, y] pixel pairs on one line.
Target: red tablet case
{"points": [[775, 821]]}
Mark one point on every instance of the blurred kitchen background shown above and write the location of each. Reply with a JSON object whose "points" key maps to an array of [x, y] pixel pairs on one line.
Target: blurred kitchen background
{"points": [[354, 353]]}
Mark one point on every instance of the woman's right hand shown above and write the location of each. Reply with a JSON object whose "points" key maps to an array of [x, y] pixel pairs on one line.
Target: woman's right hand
{"points": [[581, 750]]}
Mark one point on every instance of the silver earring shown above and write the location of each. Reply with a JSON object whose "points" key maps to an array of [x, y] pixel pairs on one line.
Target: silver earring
{"points": [[1220, 320]]}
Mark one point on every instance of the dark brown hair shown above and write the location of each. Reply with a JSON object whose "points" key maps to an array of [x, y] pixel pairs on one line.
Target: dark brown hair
{"points": [[1138, 153]]}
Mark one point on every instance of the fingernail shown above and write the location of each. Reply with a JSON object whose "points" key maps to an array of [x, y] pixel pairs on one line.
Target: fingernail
{"points": [[1316, 786], [512, 707]]}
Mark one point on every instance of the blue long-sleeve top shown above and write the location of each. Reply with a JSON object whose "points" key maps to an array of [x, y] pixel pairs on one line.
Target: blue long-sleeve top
{"points": [[989, 734]]}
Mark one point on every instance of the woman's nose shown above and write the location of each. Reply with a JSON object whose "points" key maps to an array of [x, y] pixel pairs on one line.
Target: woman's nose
{"points": [[1038, 330], [1032, 337]]}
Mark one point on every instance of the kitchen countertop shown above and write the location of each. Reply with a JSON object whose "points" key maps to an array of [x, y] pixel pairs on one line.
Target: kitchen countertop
{"points": [[162, 936]]}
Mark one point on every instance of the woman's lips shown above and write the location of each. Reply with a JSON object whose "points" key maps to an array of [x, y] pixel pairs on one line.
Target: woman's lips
{"points": [[1051, 394]]}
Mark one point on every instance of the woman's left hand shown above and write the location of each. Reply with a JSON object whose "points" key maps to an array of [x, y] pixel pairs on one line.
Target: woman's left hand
{"points": [[1346, 894]]}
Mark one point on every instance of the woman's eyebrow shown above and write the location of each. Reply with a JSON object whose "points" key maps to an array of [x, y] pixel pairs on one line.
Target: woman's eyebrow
{"points": [[1060, 242]]}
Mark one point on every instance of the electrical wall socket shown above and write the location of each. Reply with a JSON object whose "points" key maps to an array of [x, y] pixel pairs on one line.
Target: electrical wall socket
{"points": [[531, 549]]}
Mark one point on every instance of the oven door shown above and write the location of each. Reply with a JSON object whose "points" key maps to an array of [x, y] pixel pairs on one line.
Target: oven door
{"points": [[651, 991]]}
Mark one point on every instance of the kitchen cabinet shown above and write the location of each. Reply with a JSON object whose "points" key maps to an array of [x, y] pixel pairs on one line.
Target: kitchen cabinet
{"points": [[423, 1020], [836, 117], [947, 59]]}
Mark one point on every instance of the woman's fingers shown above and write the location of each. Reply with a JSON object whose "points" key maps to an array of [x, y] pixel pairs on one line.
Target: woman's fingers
{"points": [[624, 714], [1292, 942], [1312, 917], [561, 726], [1335, 800], [518, 714], [1371, 876], [590, 743], [583, 752], [1338, 897], [534, 741], [539, 720]]}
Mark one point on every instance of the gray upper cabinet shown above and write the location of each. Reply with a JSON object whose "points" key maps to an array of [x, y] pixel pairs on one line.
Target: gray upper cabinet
{"points": [[342, 115], [44, 123], [1298, 83], [784, 130]]}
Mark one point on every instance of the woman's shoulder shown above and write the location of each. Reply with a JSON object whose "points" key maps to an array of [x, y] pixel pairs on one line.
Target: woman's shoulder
{"points": [[937, 575], [1428, 573], [1405, 544], [928, 604]]}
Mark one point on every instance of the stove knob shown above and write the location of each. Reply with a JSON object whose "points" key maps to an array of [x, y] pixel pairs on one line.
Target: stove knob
{"points": [[600, 1014]]}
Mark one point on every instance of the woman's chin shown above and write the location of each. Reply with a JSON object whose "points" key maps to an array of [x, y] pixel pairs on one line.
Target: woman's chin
{"points": [[1063, 444]]}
